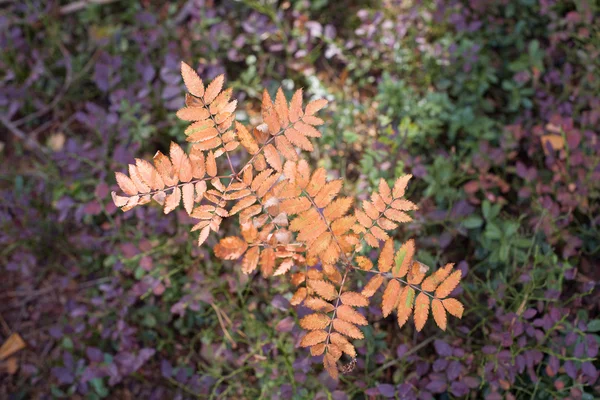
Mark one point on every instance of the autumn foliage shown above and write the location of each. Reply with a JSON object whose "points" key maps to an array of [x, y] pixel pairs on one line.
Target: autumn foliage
{"points": [[293, 220]]}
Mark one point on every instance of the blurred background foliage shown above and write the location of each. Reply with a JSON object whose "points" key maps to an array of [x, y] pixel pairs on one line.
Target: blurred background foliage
{"points": [[494, 107]]}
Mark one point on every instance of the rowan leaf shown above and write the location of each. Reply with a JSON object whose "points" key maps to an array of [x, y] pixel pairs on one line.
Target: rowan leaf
{"points": [[364, 263], [400, 186], [349, 314], [390, 298], [354, 299], [330, 365], [386, 257], [432, 281], [126, 184], [403, 259], [454, 307], [192, 81], [314, 106], [324, 289], [448, 285], [372, 286], [347, 328], [405, 305], [230, 248], [439, 313], [315, 321], [213, 89], [421, 311], [250, 261], [313, 337]]}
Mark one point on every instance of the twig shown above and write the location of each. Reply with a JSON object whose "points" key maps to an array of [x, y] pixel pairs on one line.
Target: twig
{"points": [[57, 97], [28, 142], [81, 4]]}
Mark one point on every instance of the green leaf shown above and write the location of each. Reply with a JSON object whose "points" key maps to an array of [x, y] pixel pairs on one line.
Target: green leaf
{"points": [[593, 325], [472, 222]]}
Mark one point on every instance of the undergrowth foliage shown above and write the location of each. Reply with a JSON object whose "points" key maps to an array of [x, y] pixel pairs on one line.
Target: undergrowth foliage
{"points": [[292, 219]]}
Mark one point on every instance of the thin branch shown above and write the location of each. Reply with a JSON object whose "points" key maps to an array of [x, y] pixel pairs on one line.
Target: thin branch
{"points": [[81, 4]]}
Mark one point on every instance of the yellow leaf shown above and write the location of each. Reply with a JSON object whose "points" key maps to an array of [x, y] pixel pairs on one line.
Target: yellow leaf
{"points": [[318, 304]]}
